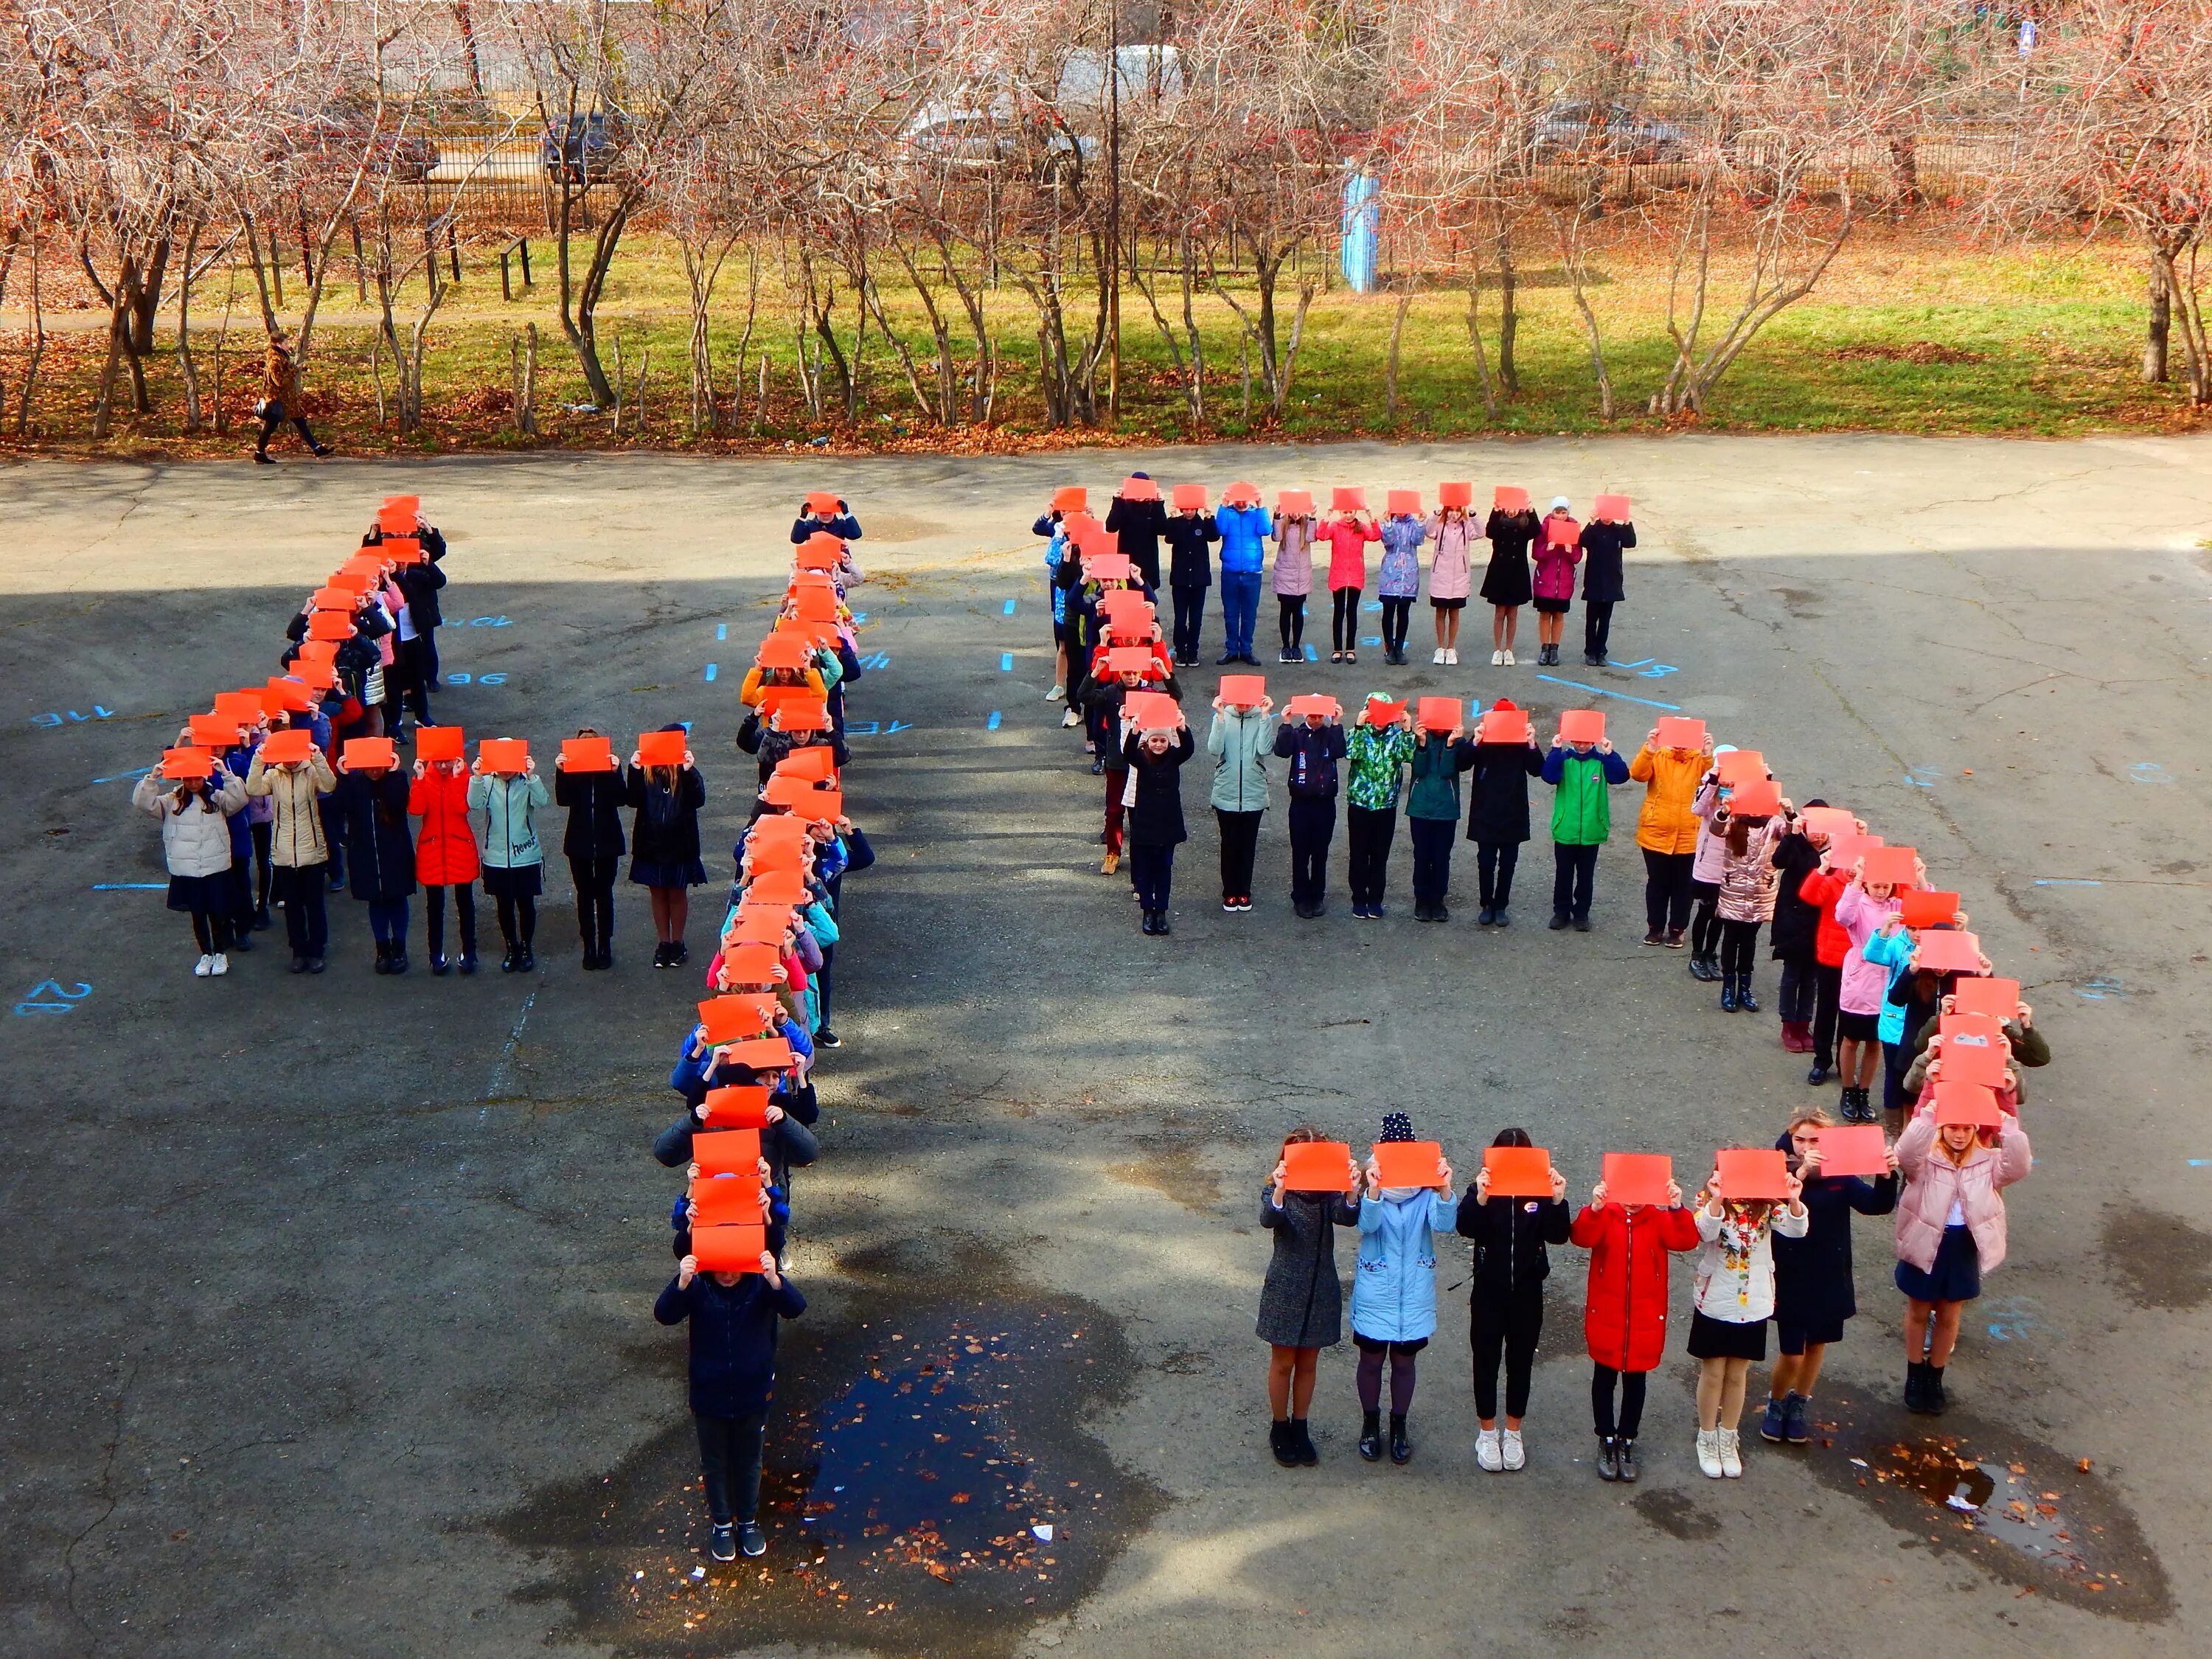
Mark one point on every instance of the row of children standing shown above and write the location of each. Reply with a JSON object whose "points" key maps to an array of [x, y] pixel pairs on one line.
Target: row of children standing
{"points": [[1532, 561], [744, 1066]]}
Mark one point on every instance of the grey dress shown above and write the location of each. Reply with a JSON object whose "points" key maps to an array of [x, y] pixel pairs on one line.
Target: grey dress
{"points": [[1301, 1303]]}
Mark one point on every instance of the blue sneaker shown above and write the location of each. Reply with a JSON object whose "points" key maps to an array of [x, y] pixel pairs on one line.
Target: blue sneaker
{"points": [[1771, 1423], [1796, 1424]]}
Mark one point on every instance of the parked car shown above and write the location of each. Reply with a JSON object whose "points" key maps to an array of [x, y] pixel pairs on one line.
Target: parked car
{"points": [[347, 127], [580, 149], [1610, 132]]}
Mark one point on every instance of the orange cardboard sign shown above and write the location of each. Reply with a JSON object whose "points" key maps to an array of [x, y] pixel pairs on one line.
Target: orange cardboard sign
{"points": [[734, 1018], [1503, 723], [1581, 725], [740, 1106], [1854, 1149], [213, 731], [286, 748], [1071, 498], [297, 699], [1107, 568], [332, 599], [1758, 798], [817, 806], [337, 625], [811, 556], [663, 748], [1969, 1030], [1924, 907], [1967, 1062], [1130, 631], [1752, 1172], [588, 755], [1509, 498], [1317, 1166], [750, 965], [758, 924], [1242, 495], [812, 765], [1740, 766], [1150, 711], [1681, 732], [321, 653], [503, 754], [1897, 866], [1139, 489], [275, 702], [355, 582], [1295, 503], [1129, 659], [1830, 821], [1948, 950], [815, 604], [1517, 1171], [1313, 703], [1408, 1162], [1439, 713], [181, 763], [367, 754], [243, 707], [1403, 503], [1190, 498], [1381, 711], [777, 887], [803, 714], [1847, 846], [783, 651], [1459, 494], [317, 677], [1633, 1178], [1243, 690], [1997, 998], [729, 1249], [822, 503], [1966, 1103], [406, 550], [762, 1054], [1348, 498], [732, 1200], [1613, 510], [439, 743]]}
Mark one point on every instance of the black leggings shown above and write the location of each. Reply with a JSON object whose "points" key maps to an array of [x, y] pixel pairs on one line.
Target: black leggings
{"points": [[1240, 841], [1290, 617], [730, 1461], [1800, 977], [211, 930], [1739, 948], [1705, 922], [1397, 616], [1509, 1333], [260, 833], [1632, 1402], [595, 901], [1344, 618], [434, 917], [274, 417], [518, 919], [1667, 889], [1494, 864], [1401, 1377], [1827, 995]]}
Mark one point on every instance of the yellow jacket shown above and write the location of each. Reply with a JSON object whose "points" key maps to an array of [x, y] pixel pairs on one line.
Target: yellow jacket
{"points": [[750, 692], [1669, 821]]}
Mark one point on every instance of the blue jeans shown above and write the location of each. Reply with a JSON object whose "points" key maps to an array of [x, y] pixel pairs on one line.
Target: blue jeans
{"points": [[1240, 609]]}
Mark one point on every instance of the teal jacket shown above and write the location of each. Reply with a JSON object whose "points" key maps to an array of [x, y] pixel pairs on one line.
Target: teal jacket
{"points": [[1239, 743], [1437, 765], [1893, 953], [509, 804]]}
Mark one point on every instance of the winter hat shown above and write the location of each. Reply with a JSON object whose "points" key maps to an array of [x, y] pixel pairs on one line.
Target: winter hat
{"points": [[1559, 504], [1396, 1126]]}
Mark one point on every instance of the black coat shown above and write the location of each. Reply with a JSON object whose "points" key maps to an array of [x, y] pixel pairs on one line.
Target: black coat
{"points": [[595, 802], [1155, 819], [1603, 582], [666, 829], [733, 1332], [1189, 565], [1813, 1274], [379, 850], [787, 1144], [1498, 790], [1510, 1234], [1137, 526], [1313, 752], [1797, 924], [419, 584]]}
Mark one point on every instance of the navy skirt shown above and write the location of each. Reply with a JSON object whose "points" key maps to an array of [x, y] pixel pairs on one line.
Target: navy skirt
{"points": [[518, 881], [1956, 1275], [652, 873], [209, 893], [1722, 1338]]}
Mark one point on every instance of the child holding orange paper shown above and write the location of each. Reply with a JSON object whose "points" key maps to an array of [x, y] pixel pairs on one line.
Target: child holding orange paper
{"points": [[1451, 576], [664, 844], [1302, 1299], [513, 859], [1292, 579], [195, 814], [1497, 812], [1603, 586], [1733, 1301], [1376, 752], [446, 856], [1624, 1310], [1506, 585], [1950, 1231], [1155, 759], [1394, 1294], [1749, 884], [1558, 549], [1505, 1299], [1398, 582], [1580, 772], [373, 807], [1313, 746], [593, 843], [1348, 532]]}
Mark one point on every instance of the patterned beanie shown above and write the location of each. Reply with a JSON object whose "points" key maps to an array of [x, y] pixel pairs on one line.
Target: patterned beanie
{"points": [[1396, 1126]]}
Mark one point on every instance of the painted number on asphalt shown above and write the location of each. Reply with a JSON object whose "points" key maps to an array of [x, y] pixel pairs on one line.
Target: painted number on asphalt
{"points": [[1649, 668], [481, 679], [50, 996], [489, 622], [55, 717], [2148, 772]]}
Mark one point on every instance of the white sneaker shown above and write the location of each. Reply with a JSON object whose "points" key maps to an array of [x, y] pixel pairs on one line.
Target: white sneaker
{"points": [[222, 965], [204, 966], [1731, 1454], [1451, 657], [1709, 1454], [1056, 695], [1439, 658], [1072, 717], [1498, 660], [1508, 659], [1515, 1458], [1487, 1452]]}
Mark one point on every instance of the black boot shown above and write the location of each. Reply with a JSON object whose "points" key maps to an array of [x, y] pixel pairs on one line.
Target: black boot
{"points": [[1371, 1436], [383, 957], [1819, 1075], [1279, 1442], [1623, 1451], [399, 957], [1703, 968], [1935, 1402], [1744, 999], [1402, 1449], [1608, 1457], [1916, 1387], [524, 961], [1302, 1444], [1728, 993]]}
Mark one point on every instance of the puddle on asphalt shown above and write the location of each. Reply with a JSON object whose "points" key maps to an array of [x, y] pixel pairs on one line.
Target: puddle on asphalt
{"points": [[2024, 1512], [929, 1487]]}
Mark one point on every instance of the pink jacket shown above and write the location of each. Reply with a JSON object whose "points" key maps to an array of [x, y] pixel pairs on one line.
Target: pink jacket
{"points": [[1559, 550], [1347, 551], [1933, 1184], [1451, 569], [1712, 852], [1864, 982], [1294, 540]]}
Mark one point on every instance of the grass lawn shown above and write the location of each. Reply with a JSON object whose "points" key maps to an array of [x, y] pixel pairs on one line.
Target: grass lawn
{"points": [[1912, 330]]}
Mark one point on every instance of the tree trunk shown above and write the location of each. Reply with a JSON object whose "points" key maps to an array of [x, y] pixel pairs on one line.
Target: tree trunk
{"points": [[2160, 333], [37, 349], [1509, 313], [576, 319], [147, 299], [1391, 378], [1475, 339], [186, 366], [118, 326]]}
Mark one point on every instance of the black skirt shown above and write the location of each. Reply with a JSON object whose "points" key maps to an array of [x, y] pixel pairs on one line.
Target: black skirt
{"points": [[651, 873], [1955, 1275], [1554, 607], [1447, 604], [1507, 581], [518, 881], [202, 892], [1717, 1339]]}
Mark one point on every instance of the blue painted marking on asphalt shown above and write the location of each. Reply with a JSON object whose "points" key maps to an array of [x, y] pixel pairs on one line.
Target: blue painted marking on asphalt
{"points": [[1600, 691], [1312, 655], [2200, 1163], [1009, 608], [53, 717], [40, 999], [712, 670], [991, 724], [1005, 662], [721, 630], [2099, 989], [2141, 772], [2064, 881], [129, 886], [122, 776]]}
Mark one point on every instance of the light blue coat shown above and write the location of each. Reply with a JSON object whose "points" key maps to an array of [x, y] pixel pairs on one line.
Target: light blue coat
{"points": [[1892, 953], [1394, 1289]]}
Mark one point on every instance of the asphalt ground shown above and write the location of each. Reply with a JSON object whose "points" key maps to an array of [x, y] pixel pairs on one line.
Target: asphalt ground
{"points": [[326, 1302]]}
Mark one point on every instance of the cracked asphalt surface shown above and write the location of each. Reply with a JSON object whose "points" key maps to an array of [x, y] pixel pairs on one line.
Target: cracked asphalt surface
{"points": [[310, 1287]]}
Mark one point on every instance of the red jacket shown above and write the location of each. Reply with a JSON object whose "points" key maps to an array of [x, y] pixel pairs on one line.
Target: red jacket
{"points": [[446, 851], [1625, 1319], [1830, 943]]}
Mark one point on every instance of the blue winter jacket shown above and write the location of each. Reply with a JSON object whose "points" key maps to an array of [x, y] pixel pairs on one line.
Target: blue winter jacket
{"points": [[1892, 953], [1243, 538], [1394, 1289], [733, 1332]]}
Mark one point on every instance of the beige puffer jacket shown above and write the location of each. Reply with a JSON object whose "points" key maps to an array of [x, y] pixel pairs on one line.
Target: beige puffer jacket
{"points": [[194, 842], [297, 831]]}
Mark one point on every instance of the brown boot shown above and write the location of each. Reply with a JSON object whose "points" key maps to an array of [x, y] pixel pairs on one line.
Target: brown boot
{"points": [[1113, 863]]}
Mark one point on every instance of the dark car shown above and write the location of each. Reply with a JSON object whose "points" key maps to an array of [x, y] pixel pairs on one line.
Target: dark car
{"points": [[1611, 132], [581, 149], [347, 127]]}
